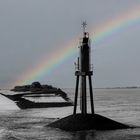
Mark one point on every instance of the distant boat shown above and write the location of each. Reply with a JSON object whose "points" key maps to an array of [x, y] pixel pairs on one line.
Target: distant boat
{"points": [[39, 97], [39, 100]]}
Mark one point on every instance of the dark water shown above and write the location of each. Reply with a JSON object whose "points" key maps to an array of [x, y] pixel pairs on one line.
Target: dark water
{"points": [[121, 105]]}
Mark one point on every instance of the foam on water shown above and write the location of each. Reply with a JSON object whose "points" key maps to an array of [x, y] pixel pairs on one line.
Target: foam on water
{"points": [[7, 104], [3, 132], [45, 99]]}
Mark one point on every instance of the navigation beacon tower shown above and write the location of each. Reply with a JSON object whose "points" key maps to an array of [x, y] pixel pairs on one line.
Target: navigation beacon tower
{"points": [[84, 71], [84, 120]]}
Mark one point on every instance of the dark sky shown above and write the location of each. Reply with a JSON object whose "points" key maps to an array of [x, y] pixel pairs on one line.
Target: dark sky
{"points": [[32, 29]]}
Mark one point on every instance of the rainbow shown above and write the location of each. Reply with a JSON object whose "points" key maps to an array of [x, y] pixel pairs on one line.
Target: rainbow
{"points": [[101, 33]]}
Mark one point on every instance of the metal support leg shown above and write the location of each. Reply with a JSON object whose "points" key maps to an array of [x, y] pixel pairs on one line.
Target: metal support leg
{"points": [[84, 104], [85, 96], [91, 95], [76, 95]]}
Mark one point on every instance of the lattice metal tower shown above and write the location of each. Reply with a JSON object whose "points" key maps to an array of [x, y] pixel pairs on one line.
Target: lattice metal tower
{"points": [[84, 70]]}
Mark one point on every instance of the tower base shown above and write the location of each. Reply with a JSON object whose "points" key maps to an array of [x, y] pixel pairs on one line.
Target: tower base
{"points": [[79, 122]]}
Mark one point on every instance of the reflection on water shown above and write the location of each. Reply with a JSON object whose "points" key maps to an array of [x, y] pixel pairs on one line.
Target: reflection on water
{"points": [[122, 105]]}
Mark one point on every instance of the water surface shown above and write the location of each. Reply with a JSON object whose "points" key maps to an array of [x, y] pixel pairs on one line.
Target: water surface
{"points": [[119, 104]]}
